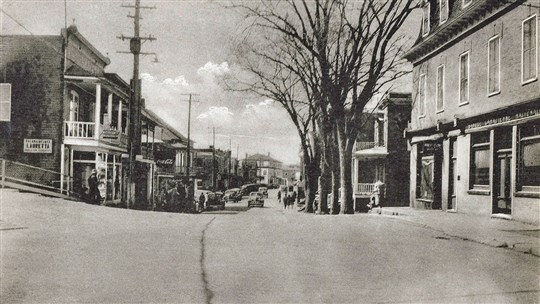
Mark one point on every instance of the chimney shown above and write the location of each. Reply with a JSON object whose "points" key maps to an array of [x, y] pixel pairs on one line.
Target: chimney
{"points": [[268, 154]]}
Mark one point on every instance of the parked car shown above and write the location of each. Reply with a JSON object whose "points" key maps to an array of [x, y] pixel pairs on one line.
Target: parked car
{"points": [[232, 195], [247, 189], [213, 201], [255, 199], [264, 191]]}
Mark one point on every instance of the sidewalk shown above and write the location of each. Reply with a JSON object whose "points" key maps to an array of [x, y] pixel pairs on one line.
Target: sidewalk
{"points": [[480, 229]]}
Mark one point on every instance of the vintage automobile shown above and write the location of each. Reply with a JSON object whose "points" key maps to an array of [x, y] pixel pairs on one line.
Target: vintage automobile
{"points": [[255, 199], [264, 191], [232, 195], [213, 201]]}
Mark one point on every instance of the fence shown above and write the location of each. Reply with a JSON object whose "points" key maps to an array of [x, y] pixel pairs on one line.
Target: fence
{"points": [[34, 179]]}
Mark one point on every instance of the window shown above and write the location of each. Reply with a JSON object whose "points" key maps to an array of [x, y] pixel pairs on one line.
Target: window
{"points": [[425, 19], [480, 161], [529, 50], [440, 88], [5, 102], [74, 107], [421, 95], [494, 65], [443, 11], [529, 158], [464, 78], [466, 3], [426, 177]]}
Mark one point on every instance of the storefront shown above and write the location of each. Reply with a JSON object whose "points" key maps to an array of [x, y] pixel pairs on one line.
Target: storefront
{"points": [[487, 165], [109, 167]]}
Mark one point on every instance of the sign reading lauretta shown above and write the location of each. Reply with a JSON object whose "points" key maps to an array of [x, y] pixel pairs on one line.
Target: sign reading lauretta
{"points": [[37, 145]]}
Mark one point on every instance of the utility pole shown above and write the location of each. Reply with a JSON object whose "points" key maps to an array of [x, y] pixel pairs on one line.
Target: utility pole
{"points": [[135, 102], [189, 133], [214, 158]]}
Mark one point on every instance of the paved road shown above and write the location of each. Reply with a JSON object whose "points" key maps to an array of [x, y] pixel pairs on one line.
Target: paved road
{"points": [[64, 252]]}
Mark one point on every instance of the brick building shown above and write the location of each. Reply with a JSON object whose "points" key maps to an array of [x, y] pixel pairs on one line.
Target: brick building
{"points": [[64, 112], [475, 123]]}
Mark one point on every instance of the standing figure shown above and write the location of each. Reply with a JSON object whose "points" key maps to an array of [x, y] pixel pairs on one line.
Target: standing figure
{"points": [[202, 200], [93, 191], [279, 196]]}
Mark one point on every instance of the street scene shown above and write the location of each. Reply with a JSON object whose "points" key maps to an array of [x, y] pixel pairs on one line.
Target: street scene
{"points": [[287, 151], [56, 251]]}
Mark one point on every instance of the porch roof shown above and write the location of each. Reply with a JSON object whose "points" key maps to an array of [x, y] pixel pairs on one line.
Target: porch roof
{"points": [[376, 152]]}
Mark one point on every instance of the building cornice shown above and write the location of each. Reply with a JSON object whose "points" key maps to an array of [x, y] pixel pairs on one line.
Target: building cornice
{"points": [[466, 22]]}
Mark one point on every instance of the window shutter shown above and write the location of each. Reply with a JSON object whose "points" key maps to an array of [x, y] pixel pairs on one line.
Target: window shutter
{"points": [[5, 102]]}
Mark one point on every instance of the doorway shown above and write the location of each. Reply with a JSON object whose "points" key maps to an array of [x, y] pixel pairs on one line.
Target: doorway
{"points": [[502, 196], [452, 196]]}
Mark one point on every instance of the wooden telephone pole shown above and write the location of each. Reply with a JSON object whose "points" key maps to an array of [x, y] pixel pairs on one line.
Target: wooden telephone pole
{"points": [[134, 135], [188, 165]]}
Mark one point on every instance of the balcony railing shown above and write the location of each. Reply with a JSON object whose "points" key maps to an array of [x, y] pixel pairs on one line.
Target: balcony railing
{"points": [[364, 188], [79, 129], [364, 145]]}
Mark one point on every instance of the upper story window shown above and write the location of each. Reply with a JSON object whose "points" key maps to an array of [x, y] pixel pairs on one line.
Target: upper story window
{"points": [[466, 3], [74, 106], [529, 48], [443, 11], [422, 95], [5, 101], [494, 65], [440, 88], [425, 19], [464, 78]]}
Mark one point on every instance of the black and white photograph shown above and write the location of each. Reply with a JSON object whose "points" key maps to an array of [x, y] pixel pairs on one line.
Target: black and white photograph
{"points": [[269, 151]]}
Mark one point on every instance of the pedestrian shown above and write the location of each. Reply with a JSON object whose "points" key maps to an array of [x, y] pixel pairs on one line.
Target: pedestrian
{"points": [[93, 191], [181, 204], [202, 200], [279, 196], [293, 199]]}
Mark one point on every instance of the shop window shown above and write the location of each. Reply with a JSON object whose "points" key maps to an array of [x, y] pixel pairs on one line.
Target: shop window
{"points": [[529, 158], [529, 50], [5, 102], [480, 161], [426, 174]]}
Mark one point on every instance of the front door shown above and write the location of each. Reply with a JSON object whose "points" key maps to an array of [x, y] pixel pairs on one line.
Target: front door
{"points": [[502, 199], [452, 199]]}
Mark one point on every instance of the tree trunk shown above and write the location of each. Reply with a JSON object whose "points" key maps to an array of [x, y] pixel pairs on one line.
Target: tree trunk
{"points": [[335, 175], [312, 176], [345, 164]]}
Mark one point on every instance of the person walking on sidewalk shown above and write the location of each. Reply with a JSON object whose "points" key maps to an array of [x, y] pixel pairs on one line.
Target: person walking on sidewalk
{"points": [[93, 191]]}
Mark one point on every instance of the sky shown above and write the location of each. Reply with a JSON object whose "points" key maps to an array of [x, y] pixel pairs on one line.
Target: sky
{"points": [[194, 47]]}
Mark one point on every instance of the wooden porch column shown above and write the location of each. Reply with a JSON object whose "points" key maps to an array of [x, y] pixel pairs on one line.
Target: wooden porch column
{"points": [[109, 110], [97, 112], [119, 127]]}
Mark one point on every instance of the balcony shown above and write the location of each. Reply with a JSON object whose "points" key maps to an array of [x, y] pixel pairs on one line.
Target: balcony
{"points": [[364, 189], [78, 130]]}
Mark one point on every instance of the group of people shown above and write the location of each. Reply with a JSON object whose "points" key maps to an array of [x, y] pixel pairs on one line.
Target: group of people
{"points": [[177, 199], [288, 199]]}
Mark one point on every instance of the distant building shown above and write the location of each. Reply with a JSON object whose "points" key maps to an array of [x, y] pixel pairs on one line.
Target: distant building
{"points": [[475, 123], [262, 169], [380, 153]]}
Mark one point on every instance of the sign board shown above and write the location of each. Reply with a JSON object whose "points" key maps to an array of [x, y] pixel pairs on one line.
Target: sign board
{"points": [[165, 158], [37, 145], [110, 135]]}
